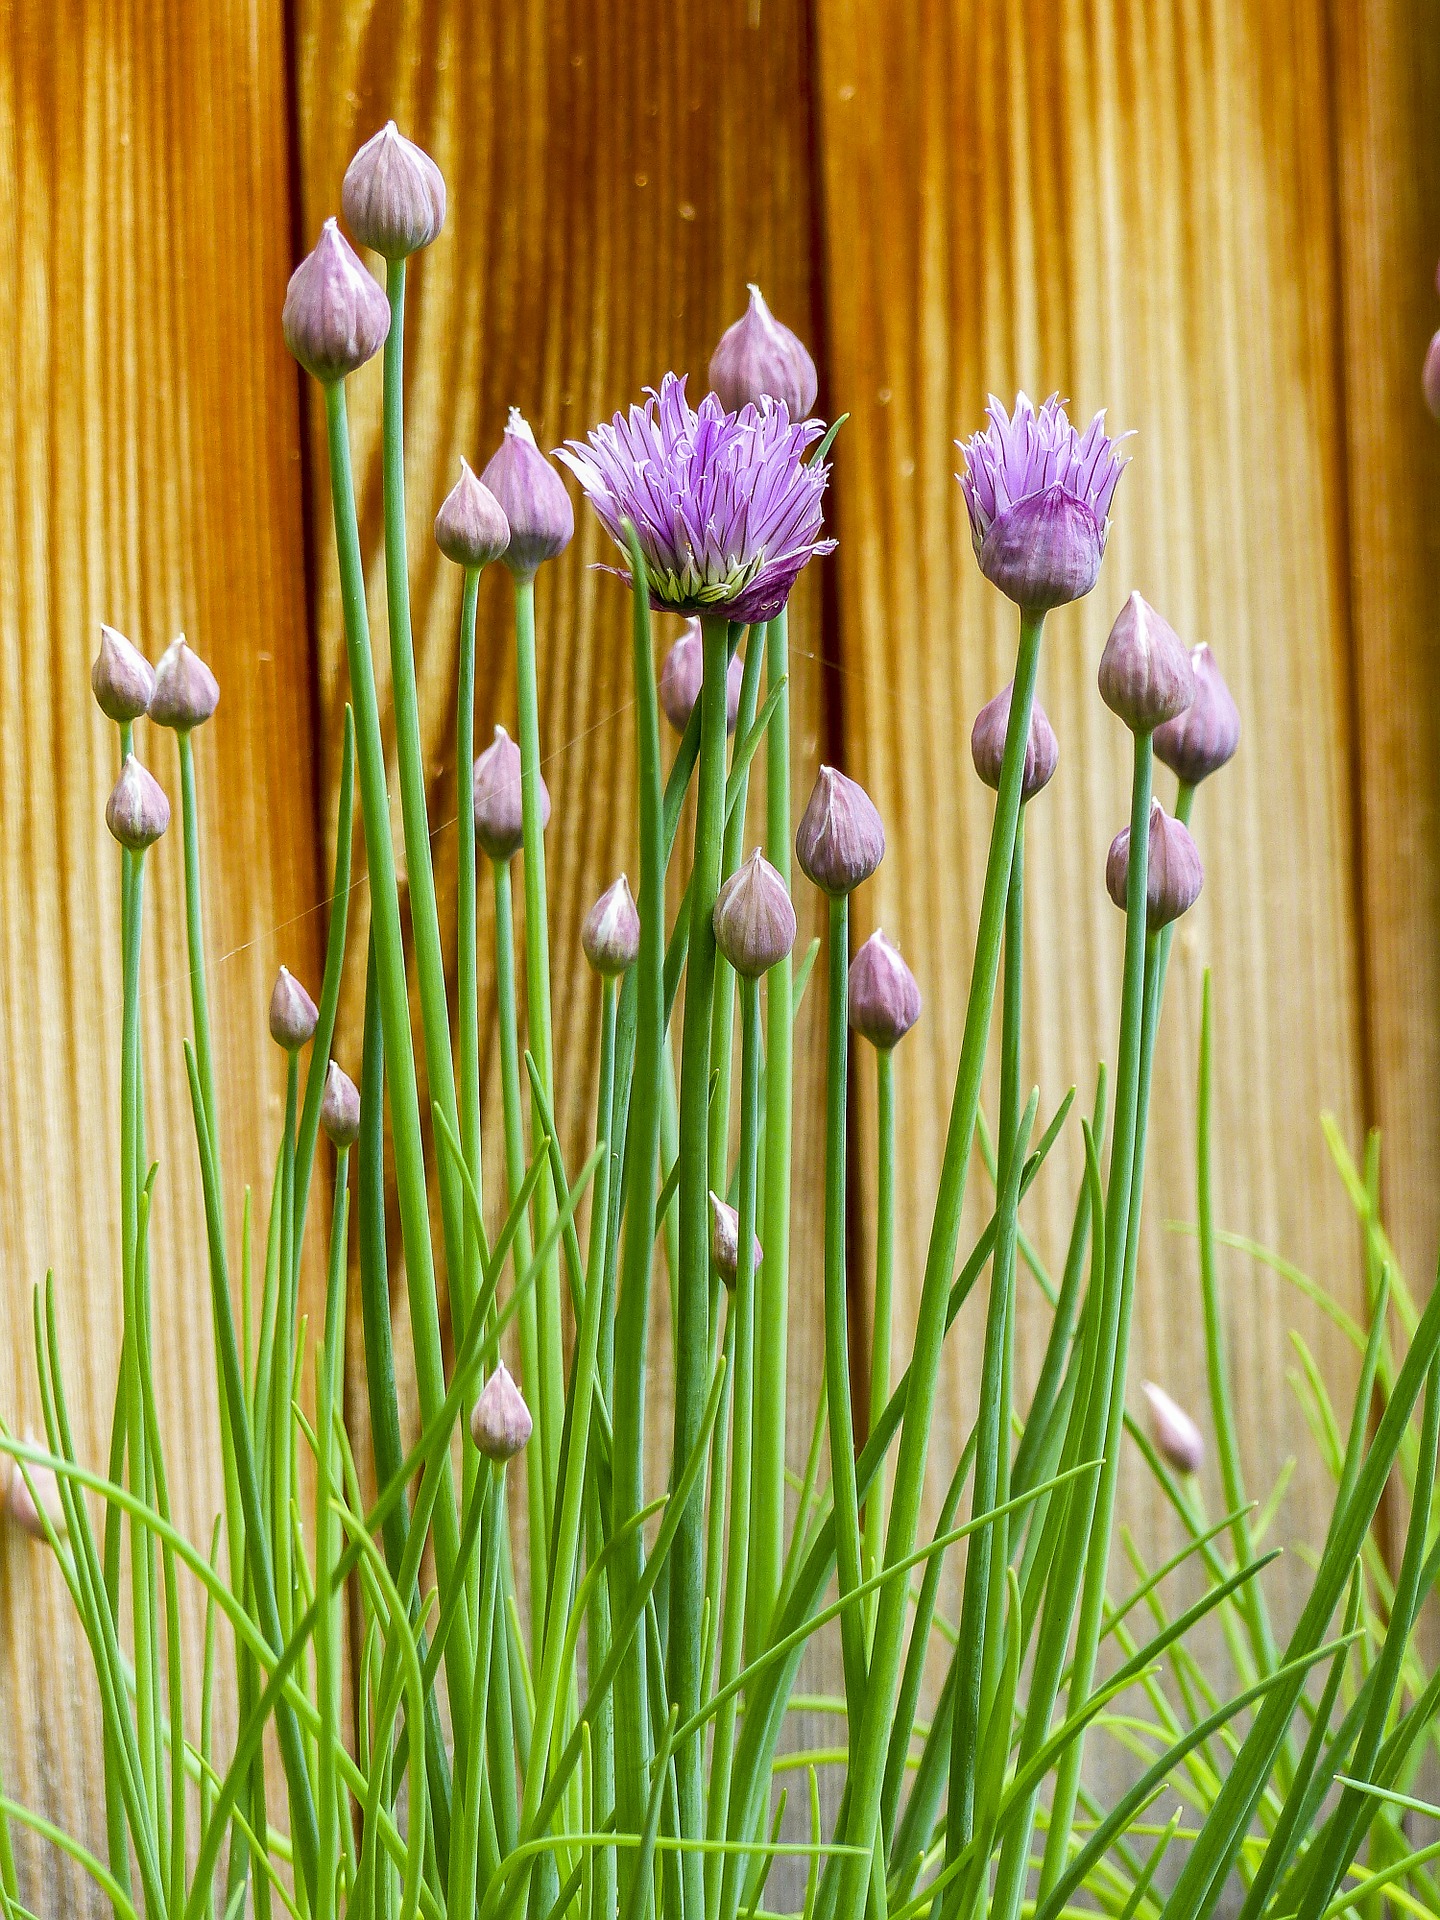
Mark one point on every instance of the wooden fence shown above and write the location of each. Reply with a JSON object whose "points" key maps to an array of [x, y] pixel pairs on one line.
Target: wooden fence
{"points": [[1217, 218]]}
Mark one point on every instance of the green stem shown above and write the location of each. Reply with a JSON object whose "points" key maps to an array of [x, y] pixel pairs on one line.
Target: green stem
{"points": [[692, 1332], [395, 1014], [283, 1360], [772, 1310], [869, 1750], [880, 1330], [551, 1379], [738, 1545], [600, 1271], [330, 1621], [466, 966]]}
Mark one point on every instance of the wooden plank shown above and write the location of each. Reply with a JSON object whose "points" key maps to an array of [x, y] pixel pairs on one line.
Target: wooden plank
{"points": [[1133, 205], [1386, 62], [606, 208], [149, 454]]}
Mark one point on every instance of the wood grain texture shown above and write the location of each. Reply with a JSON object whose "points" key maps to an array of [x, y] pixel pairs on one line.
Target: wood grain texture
{"points": [[149, 476], [1133, 205], [606, 209]]}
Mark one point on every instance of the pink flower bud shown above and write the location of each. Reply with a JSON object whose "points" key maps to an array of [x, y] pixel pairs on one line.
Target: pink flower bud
{"points": [[1198, 742], [471, 528], [682, 674], [496, 799], [335, 315], [754, 920], [122, 678], [532, 497], [840, 840], [393, 195], [500, 1423], [340, 1107], [610, 934], [1145, 673], [758, 359], [1430, 376], [1174, 875], [21, 1504], [1178, 1440], [884, 999], [987, 744], [186, 691], [725, 1241], [137, 812], [294, 1016]]}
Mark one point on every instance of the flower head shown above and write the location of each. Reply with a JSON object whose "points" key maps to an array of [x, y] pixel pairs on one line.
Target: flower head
{"points": [[532, 497], [1198, 742], [758, 359], [682, 675], [840, 840], [335, 315], [1039, 498], [500, 1422], [340, 1107], [471, 528], [294, 1016], [1173, 873], [610, 932], [884, 999], [29, 1510], [987, 744], [726, 509], [1178, 1440], [725, 1242], [137, 812], [496, 797], [122, 678], [754, 920], [393, 195], [186, 691]]}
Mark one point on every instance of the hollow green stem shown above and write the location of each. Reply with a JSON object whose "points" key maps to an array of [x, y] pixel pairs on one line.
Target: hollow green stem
{"points": [[465, 967], [600, 1271], [880, 1328], [692, 1332], [772, 1308]]}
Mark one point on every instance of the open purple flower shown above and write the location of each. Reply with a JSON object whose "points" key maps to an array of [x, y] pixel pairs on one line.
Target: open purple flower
{"points": [[726, 509], [1039, 498]]}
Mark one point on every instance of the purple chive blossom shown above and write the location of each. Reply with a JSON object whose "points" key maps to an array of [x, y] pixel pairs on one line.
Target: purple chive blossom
{"points": [[1039, 498], [725, 507]]}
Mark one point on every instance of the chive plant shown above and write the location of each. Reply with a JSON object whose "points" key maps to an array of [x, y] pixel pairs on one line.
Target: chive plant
{"points": [[428, 1721]]}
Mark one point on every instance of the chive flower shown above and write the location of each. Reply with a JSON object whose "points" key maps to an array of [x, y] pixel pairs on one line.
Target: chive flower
{"points": [[841, 839], [884, 998], [496, 803], [682, 674], [759, 359], [532, 497], [471, 528], [186, 691], [1199, 741], [753, 919], [987, 744], [500, 1421], [725, 506], [725, 1241], [21, 1503], [1145, 676], [340, 1107], [137, 812], [122, 679], [393, 195], [294, 1016], [610, 932], [1174, 875], [335, 316], [1178, 1440], [1038, 494]]}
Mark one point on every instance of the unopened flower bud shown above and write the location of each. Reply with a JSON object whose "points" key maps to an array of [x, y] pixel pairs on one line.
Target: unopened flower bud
{"points": [[532, 497], [137, 812], [1178, 1440], [682, 674], [294, 1016], [335, 315], [840, 840], [471, 528], [186, 691], [759, 359], [610, 933], [123, 679], [496, 799], [987, 744], [1197, 742], [1174, 875], [1045, 552], [340, 1107], [1430, 376], [1145, 673], [393, 195], [884, 999], [500, 1423], [754, 919], [21, 1504], [725, 1241]]}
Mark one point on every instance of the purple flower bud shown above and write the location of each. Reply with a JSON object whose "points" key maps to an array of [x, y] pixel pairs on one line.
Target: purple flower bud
{"points": [[683, 672], [393, 195], [610, 933], [725, 1241], [1430, 376], [471, 528], [500, 1423], [21, 1503], [987, 744], [123, 679], [1199, 741], [754, 920], [1038, 494], [532, 497], [1174, 875], [884, 999], [1145, 673], [496, 799], [335, 315], [840, 840], [340, 1107], [186, 691], [1178, 1440], [294, 1016], [137, 812], [758, 359]]}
